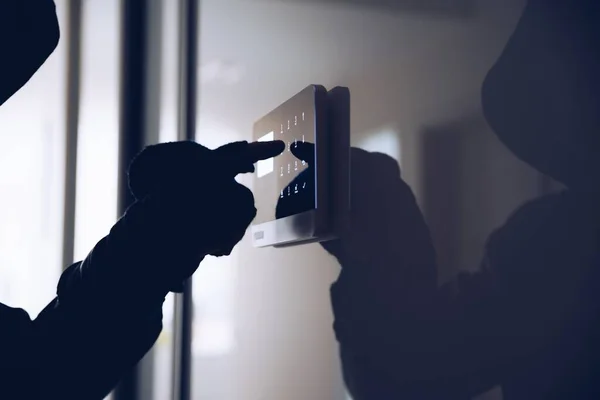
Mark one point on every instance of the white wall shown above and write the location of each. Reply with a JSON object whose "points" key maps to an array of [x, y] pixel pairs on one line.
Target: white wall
{"points": [[414, 79], [32, 184], [97, 161]]}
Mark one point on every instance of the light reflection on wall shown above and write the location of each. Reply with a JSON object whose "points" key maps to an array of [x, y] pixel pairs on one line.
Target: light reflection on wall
{"points": [[215, 280], [384, 140]]}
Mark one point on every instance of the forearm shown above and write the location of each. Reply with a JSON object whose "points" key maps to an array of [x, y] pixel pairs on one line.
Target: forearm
{"points": [[107, 314]]}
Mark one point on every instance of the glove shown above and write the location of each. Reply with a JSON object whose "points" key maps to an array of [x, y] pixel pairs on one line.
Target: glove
{"points": [[189, 199]]}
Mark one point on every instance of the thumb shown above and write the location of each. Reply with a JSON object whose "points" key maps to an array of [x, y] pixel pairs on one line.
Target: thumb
{"points": [[304, 151]]}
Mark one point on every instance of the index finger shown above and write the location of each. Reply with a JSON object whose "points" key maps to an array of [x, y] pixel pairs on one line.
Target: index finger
{"points": [[264, 150], [240, 157]]}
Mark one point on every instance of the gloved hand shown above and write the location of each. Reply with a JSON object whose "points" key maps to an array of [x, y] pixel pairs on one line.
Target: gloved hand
{"points": [[204, 209], [188, 205]]}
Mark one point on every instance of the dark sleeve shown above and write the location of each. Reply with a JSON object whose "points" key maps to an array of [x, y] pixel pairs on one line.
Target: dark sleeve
{"points": [[71, 351], [463, 338], [29, 33], [107, 314], [108, 311], [78, 348], [17, 379]]}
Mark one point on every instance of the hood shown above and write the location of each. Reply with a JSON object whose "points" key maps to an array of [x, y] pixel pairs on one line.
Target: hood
{"points": [[542, 97]]}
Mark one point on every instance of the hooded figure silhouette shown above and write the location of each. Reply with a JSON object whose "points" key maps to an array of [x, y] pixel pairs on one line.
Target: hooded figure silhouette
{"points": [[529, 319]]}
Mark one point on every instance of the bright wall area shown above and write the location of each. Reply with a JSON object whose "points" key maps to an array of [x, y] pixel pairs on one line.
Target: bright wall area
{"points": [[414, 73], [32, 184]]}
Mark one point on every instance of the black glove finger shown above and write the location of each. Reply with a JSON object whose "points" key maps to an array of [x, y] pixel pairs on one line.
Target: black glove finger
{"points": [[304, 151], [239, 157], [264, 150], [188, 166]]}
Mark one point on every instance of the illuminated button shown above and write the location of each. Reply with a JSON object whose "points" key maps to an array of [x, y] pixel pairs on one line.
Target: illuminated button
{"points": [[281, 128], [296, 165], [281, 194], [302, 116], [296, 188], [281, 174], [303, 162], [295, 120], [288, 124], [304, 185], [289, 188], [289, 168]]}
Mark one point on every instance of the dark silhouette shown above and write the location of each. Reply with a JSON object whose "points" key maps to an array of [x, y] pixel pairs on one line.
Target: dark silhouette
{"points": [[108, 310], [403, 337], [529, 319]]}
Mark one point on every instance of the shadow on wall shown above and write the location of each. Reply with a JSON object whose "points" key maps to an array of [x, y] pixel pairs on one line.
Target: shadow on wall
{"points": [[471, 184], [465, 180], [453, 9], [408, 74], [384, 296]]}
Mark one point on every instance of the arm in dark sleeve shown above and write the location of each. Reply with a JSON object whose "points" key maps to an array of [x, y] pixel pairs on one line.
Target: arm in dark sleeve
{"points": [[108, 311], [72, 351], [416, 348], [106, 316], [29, 33]]}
